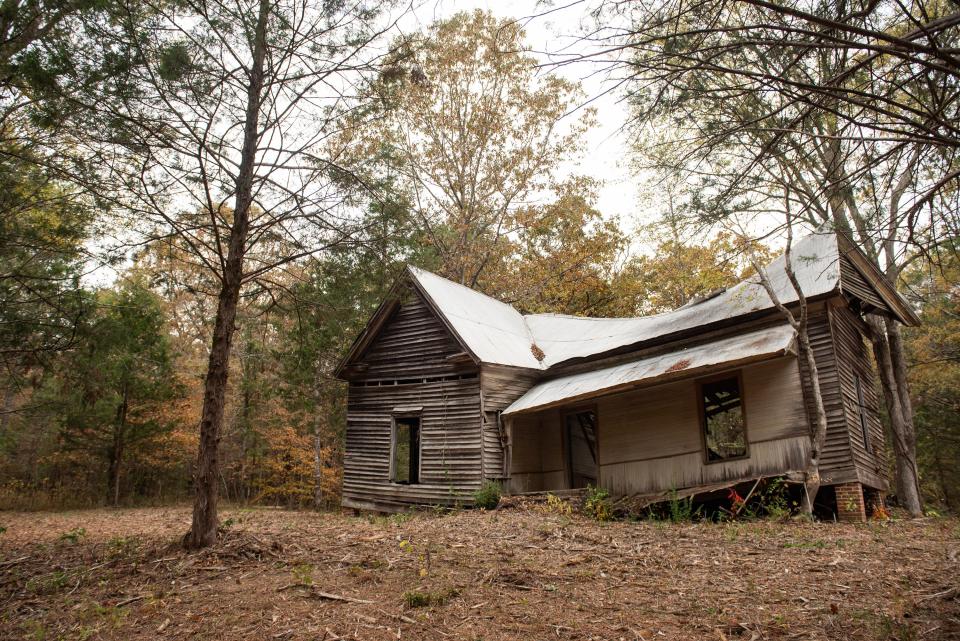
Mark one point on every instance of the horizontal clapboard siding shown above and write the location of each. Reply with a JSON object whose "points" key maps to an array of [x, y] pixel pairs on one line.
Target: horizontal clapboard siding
{"points": [[836, 462], [500, 387], [413, 343], [407, 366], [651, 439], [855, 361]]}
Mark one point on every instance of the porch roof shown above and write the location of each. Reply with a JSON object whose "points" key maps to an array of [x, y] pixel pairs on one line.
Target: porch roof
{"points": [[758, 345]]}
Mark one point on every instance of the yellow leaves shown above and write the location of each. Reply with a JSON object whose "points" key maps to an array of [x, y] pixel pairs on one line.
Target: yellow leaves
{"points": [[677, 272]]}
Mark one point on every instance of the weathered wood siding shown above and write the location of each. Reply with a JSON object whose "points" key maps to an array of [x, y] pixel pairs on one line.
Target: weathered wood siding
{"points": [[650, 440], [853, 282], [500, 386], [537, 459], [854, 359], [408, 367], [836, 461]]}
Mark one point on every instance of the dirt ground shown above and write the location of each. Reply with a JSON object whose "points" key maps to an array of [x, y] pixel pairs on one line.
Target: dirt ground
{"points": [[519, 573]]}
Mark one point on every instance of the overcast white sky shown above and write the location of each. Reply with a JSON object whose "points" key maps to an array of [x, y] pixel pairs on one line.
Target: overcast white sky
{"points": [[607, 152]]}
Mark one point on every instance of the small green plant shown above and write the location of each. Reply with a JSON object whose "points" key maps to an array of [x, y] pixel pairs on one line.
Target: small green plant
{"points": [[488, 496], [681, 510], [121, 546], [33, 630], [417, 599], [74, 535], [303, 573], [597, 504], [49, 584], [556, 505]]}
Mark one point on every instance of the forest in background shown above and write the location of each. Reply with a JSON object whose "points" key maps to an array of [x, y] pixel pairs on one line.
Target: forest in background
{"points": [[449, 156]]}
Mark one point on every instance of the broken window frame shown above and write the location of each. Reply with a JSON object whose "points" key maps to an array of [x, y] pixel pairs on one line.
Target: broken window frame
{"points": [[414, 454], [701, 410]]}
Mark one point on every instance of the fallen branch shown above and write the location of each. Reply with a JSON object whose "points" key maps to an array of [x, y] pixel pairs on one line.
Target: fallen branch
{"points": [[12, 562], [132, 599], [337, 597], [322, 595], [946, 594]]}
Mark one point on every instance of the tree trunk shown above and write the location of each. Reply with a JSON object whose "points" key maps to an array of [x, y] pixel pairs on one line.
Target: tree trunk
{"points": [[203, 530], [945, 487], [318, 459], [904, 439], [116, 451], [818, 434]]}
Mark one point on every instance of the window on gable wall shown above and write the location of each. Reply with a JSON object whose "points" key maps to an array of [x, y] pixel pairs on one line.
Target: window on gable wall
{"points": [[724, 428], [862, 415], [406, 450]]}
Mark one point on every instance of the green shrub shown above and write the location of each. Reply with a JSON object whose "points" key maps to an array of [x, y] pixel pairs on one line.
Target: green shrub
{"points": [[597, 504], [417, 599], [74, 535], [488, 496], [681, 510]]}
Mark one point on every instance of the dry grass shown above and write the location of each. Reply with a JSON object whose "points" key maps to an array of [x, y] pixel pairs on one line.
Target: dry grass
{"points": [[515, 574]]}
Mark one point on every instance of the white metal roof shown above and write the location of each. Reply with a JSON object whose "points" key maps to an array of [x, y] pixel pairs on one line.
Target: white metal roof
{"points": [[497, 333], [494, 331], [815, 262], [754, 346]]}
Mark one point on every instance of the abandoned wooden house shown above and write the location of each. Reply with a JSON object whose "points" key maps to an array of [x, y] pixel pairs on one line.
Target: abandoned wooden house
{"points": [[449, 388]]}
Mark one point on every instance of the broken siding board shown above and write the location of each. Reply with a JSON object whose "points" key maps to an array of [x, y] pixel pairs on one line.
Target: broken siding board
{"points": [[681, 471], [855, 361], [413, 345]]}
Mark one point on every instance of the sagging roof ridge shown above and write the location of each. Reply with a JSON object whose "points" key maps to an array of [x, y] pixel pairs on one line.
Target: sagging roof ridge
{"points": [[501, 335], [496, 333]]}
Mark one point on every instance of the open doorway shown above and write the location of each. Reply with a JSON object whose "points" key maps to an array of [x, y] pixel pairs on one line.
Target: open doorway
{"points": [[582, 459], [406, 450]]}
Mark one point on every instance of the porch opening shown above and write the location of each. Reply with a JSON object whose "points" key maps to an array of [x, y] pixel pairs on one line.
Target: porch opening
{"points": [[406, 450], [582, 460]]}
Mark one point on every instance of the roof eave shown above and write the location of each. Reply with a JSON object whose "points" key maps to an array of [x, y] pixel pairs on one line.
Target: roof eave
{"points": [[881, 284], [658, 380]]}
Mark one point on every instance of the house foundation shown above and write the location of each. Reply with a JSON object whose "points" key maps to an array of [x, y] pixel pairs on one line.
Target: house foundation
{"points": [[851, 506]]}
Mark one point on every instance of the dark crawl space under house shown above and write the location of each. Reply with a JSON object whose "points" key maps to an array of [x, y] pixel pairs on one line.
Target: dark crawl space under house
{"points": [[449, 388]]}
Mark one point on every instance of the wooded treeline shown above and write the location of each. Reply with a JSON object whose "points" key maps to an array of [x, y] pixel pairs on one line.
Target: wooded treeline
{"points": [[203, 202]]}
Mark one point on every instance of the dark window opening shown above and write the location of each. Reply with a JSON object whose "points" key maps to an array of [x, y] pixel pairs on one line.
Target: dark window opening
{"points": [[862, 415], [724, 428], [406, 450], [582, 448]]}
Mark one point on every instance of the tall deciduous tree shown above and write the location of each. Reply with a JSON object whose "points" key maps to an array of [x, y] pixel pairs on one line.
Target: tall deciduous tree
{"points": [[474, 136]]}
